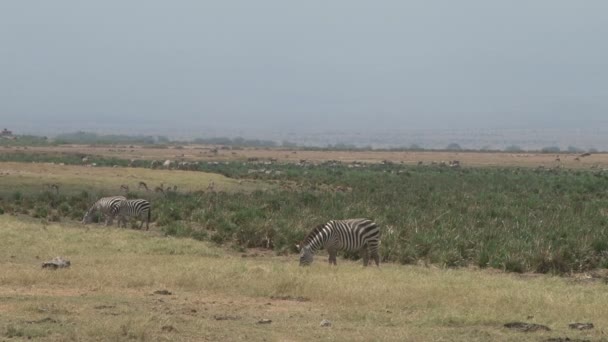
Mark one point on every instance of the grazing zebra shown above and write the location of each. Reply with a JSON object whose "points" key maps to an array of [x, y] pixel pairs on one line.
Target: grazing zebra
{"points": [[348, 235], [138, 208], [104, 205]]}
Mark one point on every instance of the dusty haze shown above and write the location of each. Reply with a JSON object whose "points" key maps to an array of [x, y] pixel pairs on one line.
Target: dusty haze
{"points": [[281, 69]]}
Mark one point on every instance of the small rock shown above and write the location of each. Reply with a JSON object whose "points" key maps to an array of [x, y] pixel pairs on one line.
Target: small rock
{"points": [[225, 318], [297, 299], [264, 321], [526, 327], [44, 320], [326, 323], [168, 328], [57, 262], [580, 326], [163, 292], [101, 307]]}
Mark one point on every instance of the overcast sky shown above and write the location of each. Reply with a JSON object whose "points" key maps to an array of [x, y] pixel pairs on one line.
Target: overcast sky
{"points": [[340, 64]]}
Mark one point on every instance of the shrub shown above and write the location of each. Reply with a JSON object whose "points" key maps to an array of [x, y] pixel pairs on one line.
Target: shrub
{"points": [[40, 212]]}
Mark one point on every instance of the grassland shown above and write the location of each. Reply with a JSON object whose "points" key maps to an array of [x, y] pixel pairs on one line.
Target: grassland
{"points": [[449, 235], [213, 153], [519, 220], [218, 295], [33, 178]]}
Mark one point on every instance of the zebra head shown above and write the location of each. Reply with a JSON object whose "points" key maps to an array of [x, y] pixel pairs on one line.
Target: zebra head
{"points": [[88, 217], [306, 255]]}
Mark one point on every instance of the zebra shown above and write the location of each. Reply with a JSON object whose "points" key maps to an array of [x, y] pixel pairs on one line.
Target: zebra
{"points": [[104, 205], [138, 208], [349, 235]]}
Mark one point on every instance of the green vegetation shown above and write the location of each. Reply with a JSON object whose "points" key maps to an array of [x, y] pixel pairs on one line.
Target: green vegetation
{"points": [[235, 142], [93, 138], [514, 219], [24, 140]]}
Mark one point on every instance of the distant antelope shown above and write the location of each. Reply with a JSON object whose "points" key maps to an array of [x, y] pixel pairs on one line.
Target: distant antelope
{"points": [[124, 187], [160, 188], [211, 186], [143, 184]]}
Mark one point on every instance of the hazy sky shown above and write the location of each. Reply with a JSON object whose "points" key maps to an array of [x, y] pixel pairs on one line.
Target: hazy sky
{"points": [[341, 64]]}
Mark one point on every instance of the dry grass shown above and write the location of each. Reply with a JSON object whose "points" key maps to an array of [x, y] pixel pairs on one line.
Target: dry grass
{"points": [[201, 152], [32, 176], [218, 295]]}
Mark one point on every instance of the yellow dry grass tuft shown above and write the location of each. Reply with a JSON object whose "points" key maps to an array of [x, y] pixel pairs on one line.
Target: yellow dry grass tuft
{"points": [[108, 294]]}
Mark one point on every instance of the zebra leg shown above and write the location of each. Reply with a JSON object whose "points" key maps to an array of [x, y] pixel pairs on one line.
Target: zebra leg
{"points": [[332, 256], [377, 259], [365, 255], [374, 252]]}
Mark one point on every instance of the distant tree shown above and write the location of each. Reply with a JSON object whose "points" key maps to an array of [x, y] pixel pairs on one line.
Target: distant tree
{"points": [[574, 149], [416, 147], [286, 143], [342, 146], [453, 147], [593, 150], [513, 148], [550, 149], [161, 139]]}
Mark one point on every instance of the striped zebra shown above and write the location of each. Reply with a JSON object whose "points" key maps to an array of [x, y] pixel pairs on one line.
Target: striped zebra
{"points": [[138, 208], [104, 206], [349, 235]]}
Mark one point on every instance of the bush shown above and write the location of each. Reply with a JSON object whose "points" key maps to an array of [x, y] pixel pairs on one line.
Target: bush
{"points": [[178, 229], [550, 149], [40, 212]]}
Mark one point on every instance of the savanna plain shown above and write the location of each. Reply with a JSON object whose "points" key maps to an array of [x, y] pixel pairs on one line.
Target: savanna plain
{"points": [[465, 249]]}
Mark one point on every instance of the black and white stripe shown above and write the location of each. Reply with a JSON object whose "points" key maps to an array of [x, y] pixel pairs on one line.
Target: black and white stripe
{"points": [[104, 205], [347, 235], [138, 208]]}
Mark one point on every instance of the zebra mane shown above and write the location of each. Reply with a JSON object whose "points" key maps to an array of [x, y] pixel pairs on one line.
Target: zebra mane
{"points": [[312, 234]]}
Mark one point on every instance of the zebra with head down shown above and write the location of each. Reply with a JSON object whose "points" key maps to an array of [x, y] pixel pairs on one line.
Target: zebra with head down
{"points": [[348, 235], [137, 208], [104, 205]]}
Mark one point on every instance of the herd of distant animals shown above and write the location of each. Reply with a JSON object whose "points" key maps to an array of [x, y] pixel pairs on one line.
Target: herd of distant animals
{"points": [[336, 235]]}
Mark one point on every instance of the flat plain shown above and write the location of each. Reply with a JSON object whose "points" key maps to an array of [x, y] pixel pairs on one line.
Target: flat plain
{"points": [[130, 285], [212, 153], [126, 284]]}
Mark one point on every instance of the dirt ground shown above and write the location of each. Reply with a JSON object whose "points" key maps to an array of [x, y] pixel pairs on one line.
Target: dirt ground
{"points": [[217, 153]]}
